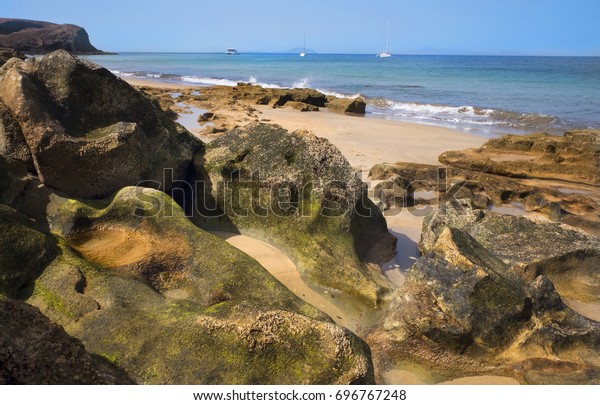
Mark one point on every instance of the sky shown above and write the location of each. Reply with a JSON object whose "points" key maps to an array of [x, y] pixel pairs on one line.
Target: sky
{"points": [[513, 27]]}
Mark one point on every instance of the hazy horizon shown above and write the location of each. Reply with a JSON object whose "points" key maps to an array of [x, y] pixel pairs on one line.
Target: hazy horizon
{"points": [[464, 27]]}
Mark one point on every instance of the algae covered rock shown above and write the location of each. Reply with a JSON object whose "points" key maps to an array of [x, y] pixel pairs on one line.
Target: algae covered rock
{"points": [[24, 252], [480, 296], [298, 192], [33, 350], [144, 288], [511, 238], [89, 132]]}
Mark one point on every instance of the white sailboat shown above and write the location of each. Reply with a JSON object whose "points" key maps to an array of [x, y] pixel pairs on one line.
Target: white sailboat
{"points": [[303, 53], [387, 52]]}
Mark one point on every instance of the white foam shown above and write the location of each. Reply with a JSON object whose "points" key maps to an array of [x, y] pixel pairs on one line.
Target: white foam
{"points": [[338, 95], [434, 109], [208, 81], [301, 84]]}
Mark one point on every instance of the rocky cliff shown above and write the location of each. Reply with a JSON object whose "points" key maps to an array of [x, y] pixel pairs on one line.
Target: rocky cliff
{"points": [[42, 37]]}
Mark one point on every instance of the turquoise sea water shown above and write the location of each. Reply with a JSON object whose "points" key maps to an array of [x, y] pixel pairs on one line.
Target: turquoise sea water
{"points": [[486, 95]]}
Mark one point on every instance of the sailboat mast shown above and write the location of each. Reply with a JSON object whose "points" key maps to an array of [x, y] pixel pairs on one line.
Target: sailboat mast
{"points": [[388, 39], [304, 47]]}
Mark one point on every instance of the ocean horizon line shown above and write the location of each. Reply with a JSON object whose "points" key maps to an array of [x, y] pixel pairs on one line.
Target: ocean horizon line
{"points": [[401, 53]]}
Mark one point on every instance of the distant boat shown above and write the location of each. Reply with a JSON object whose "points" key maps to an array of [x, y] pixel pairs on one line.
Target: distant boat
{"points": [[387, 52], [303, 53], [231, 51]]}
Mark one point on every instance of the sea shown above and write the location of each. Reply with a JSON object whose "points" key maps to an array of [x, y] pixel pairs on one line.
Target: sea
{"points": [[484, 95]]}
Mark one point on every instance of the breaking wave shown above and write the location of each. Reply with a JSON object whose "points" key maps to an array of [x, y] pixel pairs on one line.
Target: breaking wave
{"points": [[461, 116]]}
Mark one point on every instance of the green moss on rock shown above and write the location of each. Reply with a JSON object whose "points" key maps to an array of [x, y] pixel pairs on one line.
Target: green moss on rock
{"points": [[224, 320], [299, 193]]}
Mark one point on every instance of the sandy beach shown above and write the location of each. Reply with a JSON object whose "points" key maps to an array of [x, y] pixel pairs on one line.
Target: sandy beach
{"points": [[364, 141]]}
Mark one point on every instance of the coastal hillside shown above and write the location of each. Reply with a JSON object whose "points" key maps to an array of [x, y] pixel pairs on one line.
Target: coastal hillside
{"points": [[42, 37]]}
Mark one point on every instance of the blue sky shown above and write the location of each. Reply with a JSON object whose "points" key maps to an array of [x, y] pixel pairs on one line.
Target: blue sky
{"points": [[522, 27]]}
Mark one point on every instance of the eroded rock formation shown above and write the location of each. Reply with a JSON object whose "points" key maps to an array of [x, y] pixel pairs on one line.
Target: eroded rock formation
{"points": [[299, 192]]}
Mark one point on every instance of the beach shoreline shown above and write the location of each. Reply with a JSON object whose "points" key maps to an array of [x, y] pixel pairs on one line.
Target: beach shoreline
{"points": [[395, 140]]}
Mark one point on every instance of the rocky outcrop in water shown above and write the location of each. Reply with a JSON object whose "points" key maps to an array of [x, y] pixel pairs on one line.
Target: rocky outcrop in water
{"points": [[297, 191], [87, 132], [42, 37]]}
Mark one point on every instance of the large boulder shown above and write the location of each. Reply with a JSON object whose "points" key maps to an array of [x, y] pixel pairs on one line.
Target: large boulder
{"points": [[33, 350], [89, 132], [139, 285], [41, 37], [298, 192], [514, 239], [480, 296]]}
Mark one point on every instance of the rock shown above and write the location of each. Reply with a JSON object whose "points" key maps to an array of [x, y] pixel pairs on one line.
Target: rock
{"points": [[573, 157], [297, 105], [152, 301], [12, 141], [583, 135], [298, 192], [394, 192], [217, 96], [306, 96], [578, 207], [504, 235], [9, 53], [13, 180], [91, 133], [42, 37], [24, 253], [355, 106], [410, 171], [33, 350], [471, 306]]}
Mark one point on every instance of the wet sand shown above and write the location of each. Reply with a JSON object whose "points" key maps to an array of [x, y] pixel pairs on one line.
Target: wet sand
{"points": [[344, 310]]}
